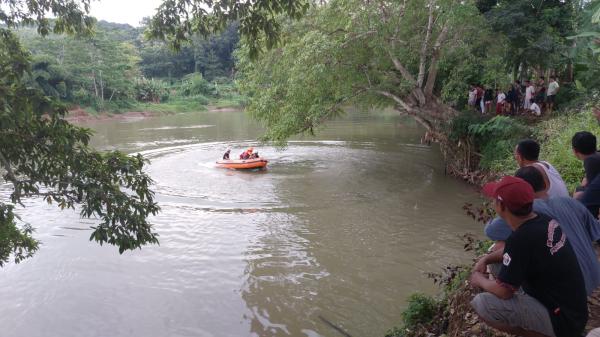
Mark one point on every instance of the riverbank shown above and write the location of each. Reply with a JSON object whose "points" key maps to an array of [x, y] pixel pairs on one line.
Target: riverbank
{"points": [[79, 115], [449, 312]]}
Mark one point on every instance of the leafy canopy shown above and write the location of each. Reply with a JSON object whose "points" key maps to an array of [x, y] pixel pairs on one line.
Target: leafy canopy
{"points": [[42, 155], [177, 21], [373, 53]]}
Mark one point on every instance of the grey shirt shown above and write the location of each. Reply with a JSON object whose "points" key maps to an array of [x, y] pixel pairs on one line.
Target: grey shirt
{"points": [[580, 227]]}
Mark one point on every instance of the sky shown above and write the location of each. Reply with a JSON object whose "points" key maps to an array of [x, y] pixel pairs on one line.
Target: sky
{"points": [[123, 11]]}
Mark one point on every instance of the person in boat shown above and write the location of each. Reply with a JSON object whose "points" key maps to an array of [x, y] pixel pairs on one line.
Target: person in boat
{"points": [[246, 154], [254, 155], [226, 155]]}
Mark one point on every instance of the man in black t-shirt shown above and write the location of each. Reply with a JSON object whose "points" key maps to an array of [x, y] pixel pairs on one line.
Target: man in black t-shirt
{"points": [[538, 259], [584, 148]]}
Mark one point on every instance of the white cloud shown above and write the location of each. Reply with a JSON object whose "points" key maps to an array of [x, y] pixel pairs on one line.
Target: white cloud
{"points": [[124, 11]]}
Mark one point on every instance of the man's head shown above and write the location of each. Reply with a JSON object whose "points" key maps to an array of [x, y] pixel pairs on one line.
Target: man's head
{"points": [[513, 199], [584, 144], [552, 78], [533, 177], [527, 151]]}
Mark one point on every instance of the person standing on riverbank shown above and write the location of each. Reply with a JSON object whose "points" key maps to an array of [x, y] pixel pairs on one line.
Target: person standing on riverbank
{"points": [[538, 259], [500, 99], [527, 153], [472, 96], [553, 88], [529, 93]]}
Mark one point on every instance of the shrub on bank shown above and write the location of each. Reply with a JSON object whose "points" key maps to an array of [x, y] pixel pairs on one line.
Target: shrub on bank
{"points": [[490, 140], [420, 310]]}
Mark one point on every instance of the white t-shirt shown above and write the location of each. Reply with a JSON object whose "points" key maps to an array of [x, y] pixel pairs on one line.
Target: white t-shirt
{"points": [[501, 97], [536, 109], [529, 92], [552, 88], [472, 96]]}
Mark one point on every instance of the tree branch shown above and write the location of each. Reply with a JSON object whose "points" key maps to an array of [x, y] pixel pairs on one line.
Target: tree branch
{"points": [[433, 69], [425, 46], [396, 99], [405, 73], [10, 174]]}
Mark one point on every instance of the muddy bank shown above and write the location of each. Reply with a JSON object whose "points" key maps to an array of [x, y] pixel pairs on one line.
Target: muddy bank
{"points": [[81, 116]]}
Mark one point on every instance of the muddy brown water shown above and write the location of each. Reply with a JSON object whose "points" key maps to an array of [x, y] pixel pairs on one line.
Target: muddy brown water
{"points": [[339, 229]]}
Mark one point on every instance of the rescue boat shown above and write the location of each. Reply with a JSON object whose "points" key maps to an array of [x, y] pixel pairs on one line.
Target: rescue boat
{"points": [[243, 164]]}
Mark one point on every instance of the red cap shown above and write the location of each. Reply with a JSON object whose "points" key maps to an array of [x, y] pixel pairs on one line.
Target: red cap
{"points": [[513, 192]]}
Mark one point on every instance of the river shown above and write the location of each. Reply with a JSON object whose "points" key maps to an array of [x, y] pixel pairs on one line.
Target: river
{"points": [[340, 228]]}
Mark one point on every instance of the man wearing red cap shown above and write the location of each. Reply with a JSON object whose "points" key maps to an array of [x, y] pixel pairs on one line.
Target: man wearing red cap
{"points": [[538, 259]]}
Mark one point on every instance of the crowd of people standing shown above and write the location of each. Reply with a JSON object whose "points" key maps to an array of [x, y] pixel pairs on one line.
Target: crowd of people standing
{"points": [[530, 97], [543, 264]]}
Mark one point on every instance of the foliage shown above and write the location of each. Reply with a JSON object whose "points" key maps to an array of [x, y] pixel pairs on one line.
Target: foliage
{"points": [[386, 54], [496, 139], [212, 56], [536, 32], [459, 128], [195, 84], [178, 21], [44, 156], [152, 90], [112, 67], [175, 104], [420, 310], [97, 69]]}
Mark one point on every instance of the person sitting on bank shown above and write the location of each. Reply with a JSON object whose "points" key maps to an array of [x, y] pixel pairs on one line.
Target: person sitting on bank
{"points": [[580, 227], [246, 154], [584, 148], [535, 108], [226, 154], [539, 259], [527, 153]]}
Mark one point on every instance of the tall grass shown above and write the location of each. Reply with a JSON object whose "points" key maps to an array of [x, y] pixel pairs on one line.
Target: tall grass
{"points": [[555, 140]]}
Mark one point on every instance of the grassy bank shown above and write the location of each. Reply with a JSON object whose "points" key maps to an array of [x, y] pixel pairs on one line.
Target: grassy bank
{"points": [[491, 141], [190, 94]]}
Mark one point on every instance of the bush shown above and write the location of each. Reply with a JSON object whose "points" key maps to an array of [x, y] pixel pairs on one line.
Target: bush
{"points": [[421, 309], [154, 91], [494, 138], [194, 84]]}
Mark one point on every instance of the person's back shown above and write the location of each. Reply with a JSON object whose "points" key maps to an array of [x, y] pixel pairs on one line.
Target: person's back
{"points": [[581, 230], [590, 197], [557, 188], [540, 259], [527, 153]]}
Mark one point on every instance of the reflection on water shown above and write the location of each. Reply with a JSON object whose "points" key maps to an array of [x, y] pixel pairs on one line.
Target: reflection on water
{"points": [[339, 229]]}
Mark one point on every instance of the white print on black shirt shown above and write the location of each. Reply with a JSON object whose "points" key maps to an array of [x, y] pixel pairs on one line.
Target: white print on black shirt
{"points": [[552, 226], [506, 259]]}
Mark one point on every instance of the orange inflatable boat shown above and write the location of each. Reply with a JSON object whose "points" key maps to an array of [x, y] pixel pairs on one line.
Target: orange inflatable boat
{"points": [[242, 164]]}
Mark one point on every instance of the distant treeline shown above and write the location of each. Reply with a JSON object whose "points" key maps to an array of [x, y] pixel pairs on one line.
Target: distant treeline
{"points": [[116, 67]]}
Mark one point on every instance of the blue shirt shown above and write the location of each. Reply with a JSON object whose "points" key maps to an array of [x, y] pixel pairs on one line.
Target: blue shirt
{"points": [[578, 224]]}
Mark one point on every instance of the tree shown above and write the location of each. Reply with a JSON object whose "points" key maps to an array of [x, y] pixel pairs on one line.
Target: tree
{"points": [[44, 156], [536, 32], [178, 21], [352, 51]]}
